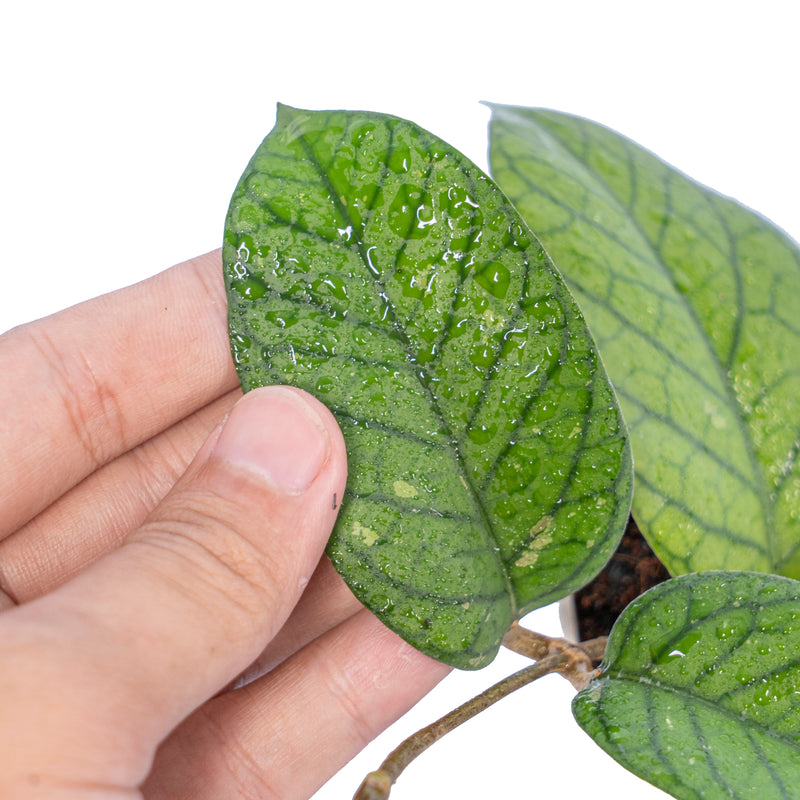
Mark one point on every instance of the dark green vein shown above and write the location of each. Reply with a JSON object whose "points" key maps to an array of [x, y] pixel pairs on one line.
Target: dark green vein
{"points": [[759, 486], [403, 337]]}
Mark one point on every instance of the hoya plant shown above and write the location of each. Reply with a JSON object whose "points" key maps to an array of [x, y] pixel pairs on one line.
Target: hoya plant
{"points": [[479, 341]]}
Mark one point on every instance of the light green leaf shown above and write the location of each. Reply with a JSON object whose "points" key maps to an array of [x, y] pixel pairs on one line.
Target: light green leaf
{"points": [[693, 300], [371, 264], [700, 688]]}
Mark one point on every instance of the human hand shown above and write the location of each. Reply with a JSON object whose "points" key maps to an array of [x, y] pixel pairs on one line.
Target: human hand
{"points": [[149, 556]]}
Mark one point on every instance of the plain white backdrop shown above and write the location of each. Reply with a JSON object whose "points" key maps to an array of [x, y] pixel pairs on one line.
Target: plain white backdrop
{"points": [[124, 128]]}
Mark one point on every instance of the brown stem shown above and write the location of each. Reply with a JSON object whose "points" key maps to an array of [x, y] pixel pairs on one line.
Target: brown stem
{"points": [[595, 648], [573, 661], [526, 642], [378, 784], [581, 657]]}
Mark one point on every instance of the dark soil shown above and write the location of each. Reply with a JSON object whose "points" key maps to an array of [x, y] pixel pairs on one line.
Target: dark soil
{"points": [[633, 569]]}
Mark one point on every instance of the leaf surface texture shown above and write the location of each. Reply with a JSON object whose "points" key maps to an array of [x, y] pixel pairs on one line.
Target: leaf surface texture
{"points": [[700, 688], [693, 300], [489, 471]]}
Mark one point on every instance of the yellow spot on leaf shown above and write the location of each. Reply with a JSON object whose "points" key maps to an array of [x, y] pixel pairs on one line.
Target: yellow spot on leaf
{"points": [[540, 527], [369, 537], [539, 537], [403, 489], [527, 559]]}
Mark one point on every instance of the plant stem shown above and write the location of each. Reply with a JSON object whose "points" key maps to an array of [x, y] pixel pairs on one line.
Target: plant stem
{"points": [[582, 656], [376, 785], [573, 661]]}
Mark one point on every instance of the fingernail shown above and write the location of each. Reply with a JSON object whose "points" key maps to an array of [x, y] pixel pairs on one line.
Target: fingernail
{"points": [[274, 431]]}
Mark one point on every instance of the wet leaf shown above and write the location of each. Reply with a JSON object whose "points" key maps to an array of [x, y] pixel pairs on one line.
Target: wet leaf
{"points": [[371, 264], [700, 688], [693, 300]]}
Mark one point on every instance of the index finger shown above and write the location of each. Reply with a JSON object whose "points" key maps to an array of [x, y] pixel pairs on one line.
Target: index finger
{"points": [[87, 384]]}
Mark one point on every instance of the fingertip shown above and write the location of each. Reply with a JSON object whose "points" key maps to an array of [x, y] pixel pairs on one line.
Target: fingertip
{"points": [[277, 434], [283, 434]]}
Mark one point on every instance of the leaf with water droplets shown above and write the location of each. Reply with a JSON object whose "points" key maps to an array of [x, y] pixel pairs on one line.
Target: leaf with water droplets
{"points": [[699, 692], [371, 264], [693, 300]]}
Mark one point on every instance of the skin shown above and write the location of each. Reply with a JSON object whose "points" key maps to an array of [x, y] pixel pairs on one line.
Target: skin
{"points": [[169, 625]]}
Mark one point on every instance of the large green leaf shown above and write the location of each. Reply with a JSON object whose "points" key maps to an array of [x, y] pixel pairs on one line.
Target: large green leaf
{"points": [[371, 264], [700, 688], [694, 303]]}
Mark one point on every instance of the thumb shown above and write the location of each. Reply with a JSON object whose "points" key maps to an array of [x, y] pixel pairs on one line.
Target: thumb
{"points": [[104, 667]]}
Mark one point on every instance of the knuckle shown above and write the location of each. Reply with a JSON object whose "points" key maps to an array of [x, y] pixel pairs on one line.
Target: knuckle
{"points": [[234, 766], [224, 564], [91, 405], [346, 694]]}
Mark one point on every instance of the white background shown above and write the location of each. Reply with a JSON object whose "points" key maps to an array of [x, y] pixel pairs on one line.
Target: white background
{"points": [[124, 128]]}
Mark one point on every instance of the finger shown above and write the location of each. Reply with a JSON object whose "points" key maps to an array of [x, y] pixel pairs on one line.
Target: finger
{"points": [[93, 518], [139, 639], [287, 733], [87, 384], [326, 603]]}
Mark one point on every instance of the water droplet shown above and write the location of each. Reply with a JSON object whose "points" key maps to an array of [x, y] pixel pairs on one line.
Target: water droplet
{"points": [[252, 287], [495, 279], [240, 345], [379, 603], [483, 434], [370, 264], [426, 216], [726, 630]]}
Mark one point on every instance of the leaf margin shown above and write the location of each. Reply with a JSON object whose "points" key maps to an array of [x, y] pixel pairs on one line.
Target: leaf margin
{"points": [[770, 550], [623, 478], [633, 671]]}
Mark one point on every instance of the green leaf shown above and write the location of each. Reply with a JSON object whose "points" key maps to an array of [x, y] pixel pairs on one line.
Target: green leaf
{"points": [[371, 264], [699, 692], [693, 300]]}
